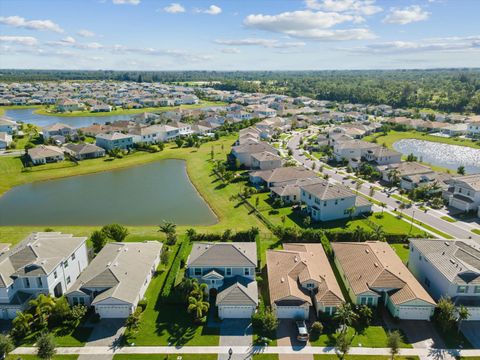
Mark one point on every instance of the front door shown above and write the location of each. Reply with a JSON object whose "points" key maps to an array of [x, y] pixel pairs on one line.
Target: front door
{"points": [[57, 291]]}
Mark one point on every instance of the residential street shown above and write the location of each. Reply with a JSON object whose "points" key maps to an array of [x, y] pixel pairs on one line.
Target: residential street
{"points": [[458, 229]]}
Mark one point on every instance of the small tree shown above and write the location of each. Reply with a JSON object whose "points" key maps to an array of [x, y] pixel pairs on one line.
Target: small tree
{"points": [[165, 256], [198, 308], [345, 315], [316, 330], [179, 142], [463, 314], [45, 346], [6, 345], [394, 339], [342, 343], [445, 313], [170, 231], [99, 240], [307, 221], [365, 316], [461, 170], [115, 232]]}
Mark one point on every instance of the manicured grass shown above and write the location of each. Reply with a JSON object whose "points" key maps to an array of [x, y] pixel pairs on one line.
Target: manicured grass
{"points": [[476, 231], [402, 251], [165, 356], [373, 336], [34, 357], [120, 111], [13, 107], [265, 357], [230, 215], [426, 226], [394, 136], [362, 357], [449, 219]]}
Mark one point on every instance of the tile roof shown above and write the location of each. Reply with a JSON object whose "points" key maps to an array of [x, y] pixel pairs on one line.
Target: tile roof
{"points": [[223, 254], [326, 191], [238, 291]]}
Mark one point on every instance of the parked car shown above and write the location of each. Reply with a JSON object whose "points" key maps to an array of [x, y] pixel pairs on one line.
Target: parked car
{"points": [[302, 332]]}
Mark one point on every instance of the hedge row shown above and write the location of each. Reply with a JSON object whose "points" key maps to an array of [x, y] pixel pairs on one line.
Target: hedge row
{"points": [[169, 283]]}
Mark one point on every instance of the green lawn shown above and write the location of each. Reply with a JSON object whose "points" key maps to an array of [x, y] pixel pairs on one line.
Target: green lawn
{"points": [[44, 111], [449, 219], [476, 231], [362, 357], [165, 356], [372, 336], [33, 357], [402, 251], [229, 214], [394, 136]]}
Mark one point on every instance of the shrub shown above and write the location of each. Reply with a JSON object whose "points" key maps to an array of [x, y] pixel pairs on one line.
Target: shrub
{"points": [[265, 322], [316, 330], [115, 232], [142, 304], [45, 346]]}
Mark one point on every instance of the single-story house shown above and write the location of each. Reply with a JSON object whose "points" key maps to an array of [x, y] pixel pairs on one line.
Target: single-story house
{"points": [[58, 129], [373, 273], [300, 277], [117, 278], [43, 154], [84, 151]]}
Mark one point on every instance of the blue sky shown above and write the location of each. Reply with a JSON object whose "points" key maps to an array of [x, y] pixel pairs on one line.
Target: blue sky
{"points": [[239, 34]]}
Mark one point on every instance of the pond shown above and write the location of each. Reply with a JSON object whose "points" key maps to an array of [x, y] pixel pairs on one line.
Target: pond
{"points": [[444, 155], [28, 116], [141, 195]]}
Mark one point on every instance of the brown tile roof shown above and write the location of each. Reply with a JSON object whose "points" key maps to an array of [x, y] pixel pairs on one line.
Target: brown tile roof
{"points": [[374, 264]]}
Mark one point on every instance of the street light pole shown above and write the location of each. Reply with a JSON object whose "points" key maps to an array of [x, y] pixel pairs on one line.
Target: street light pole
{"points": [[411, 225]]}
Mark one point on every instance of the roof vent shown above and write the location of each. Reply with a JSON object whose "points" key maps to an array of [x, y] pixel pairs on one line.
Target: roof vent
{"points": [[367, 251], [375, 264], [296, 259], [446, 243], [282, 280], [452, 261]]}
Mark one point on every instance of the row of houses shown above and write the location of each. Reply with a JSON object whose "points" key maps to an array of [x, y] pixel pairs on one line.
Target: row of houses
{"points": [[57, 264]]}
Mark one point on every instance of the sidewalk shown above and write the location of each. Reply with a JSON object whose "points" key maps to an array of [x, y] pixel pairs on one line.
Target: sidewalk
{"points": [[103, 350]]}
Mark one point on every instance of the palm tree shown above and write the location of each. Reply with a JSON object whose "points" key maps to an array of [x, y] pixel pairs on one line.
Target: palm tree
{"points": [[197, 307], [198, 290], [379, 233], [169, 229], [383, 206], [42, 307], [345, 315], [393, 176], [463, 314], [351, 210], [22, 324], [359, 233]]}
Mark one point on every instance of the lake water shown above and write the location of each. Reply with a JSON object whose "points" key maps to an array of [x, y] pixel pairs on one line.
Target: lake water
{"points": [[141, 195], [28, 116], [444, 155]]}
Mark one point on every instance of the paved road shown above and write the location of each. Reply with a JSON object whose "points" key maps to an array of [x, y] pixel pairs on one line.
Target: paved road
{"points": [[236, 332], [458, 230]]}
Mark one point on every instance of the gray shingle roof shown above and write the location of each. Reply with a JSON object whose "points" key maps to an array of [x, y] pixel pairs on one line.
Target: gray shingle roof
{"points": [[238, 291], [223, 254]]}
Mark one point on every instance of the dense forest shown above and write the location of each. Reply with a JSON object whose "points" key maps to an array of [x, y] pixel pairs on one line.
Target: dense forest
{"points": [[451, 90]]}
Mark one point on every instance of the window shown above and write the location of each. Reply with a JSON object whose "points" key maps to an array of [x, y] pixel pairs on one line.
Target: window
{"points": [[309, 286], [75, 301], [370, 301], [55, 274], [247, 271], [197, 271], [228, 271], [65, 264], [73, 256], [39, 282], [363, 301], [476, 290], [68, 280], [212, 281], [462, 289], [327, 309], [427, 282], [27, 282]]}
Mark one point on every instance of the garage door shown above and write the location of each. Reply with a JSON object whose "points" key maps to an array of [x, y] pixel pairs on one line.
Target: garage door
{"points": [[235, 312], [113, 311], [414, 313], [291, 312]]}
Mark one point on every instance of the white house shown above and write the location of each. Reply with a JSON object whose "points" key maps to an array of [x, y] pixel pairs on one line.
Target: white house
{"points": [[326, 201], [373, 273], [228, 269], [117, 278], [5, 140], [43, 263], [114, 140], [58, 129], [243, 153], [9, 126], [466, 193], [43, 154], [448, 268], [300, 277]]}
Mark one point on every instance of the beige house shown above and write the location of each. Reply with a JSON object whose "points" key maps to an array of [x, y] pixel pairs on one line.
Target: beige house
{"points": [[373, 274], [43, 154], [300, 277]]}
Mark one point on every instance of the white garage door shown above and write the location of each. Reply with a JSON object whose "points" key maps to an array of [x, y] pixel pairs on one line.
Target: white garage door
{"points": [[113, 311], [235, 312], [291, 312], [414, 313]]}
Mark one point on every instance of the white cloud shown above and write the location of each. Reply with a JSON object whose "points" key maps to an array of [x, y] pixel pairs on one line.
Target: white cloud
{"points": [[19, 40], [85, 33], [20, 22], [363, 7], [448, 44], [231, 51], [267, 43], [406, 15], [126, 2], [310, 25], [212, 10], [174, 8]]}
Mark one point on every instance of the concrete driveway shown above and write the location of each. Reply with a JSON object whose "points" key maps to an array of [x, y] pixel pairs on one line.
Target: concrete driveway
{"points": [[287, 336], [236, 332], [106, 332], [421, 334], [471, 330]]}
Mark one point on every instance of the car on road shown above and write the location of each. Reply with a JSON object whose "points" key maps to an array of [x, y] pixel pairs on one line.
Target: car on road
{"points": [[302, 332]]}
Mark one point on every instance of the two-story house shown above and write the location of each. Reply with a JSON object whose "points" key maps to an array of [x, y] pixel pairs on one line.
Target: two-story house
{"points": [[326, 201], [473, 128], [373, 274], [300, 277], [448, 268], [243, 153], [117, 278], [228, 269], [9, 126], [43, 263], [58, 129], [466, 193], [114, 140]]}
